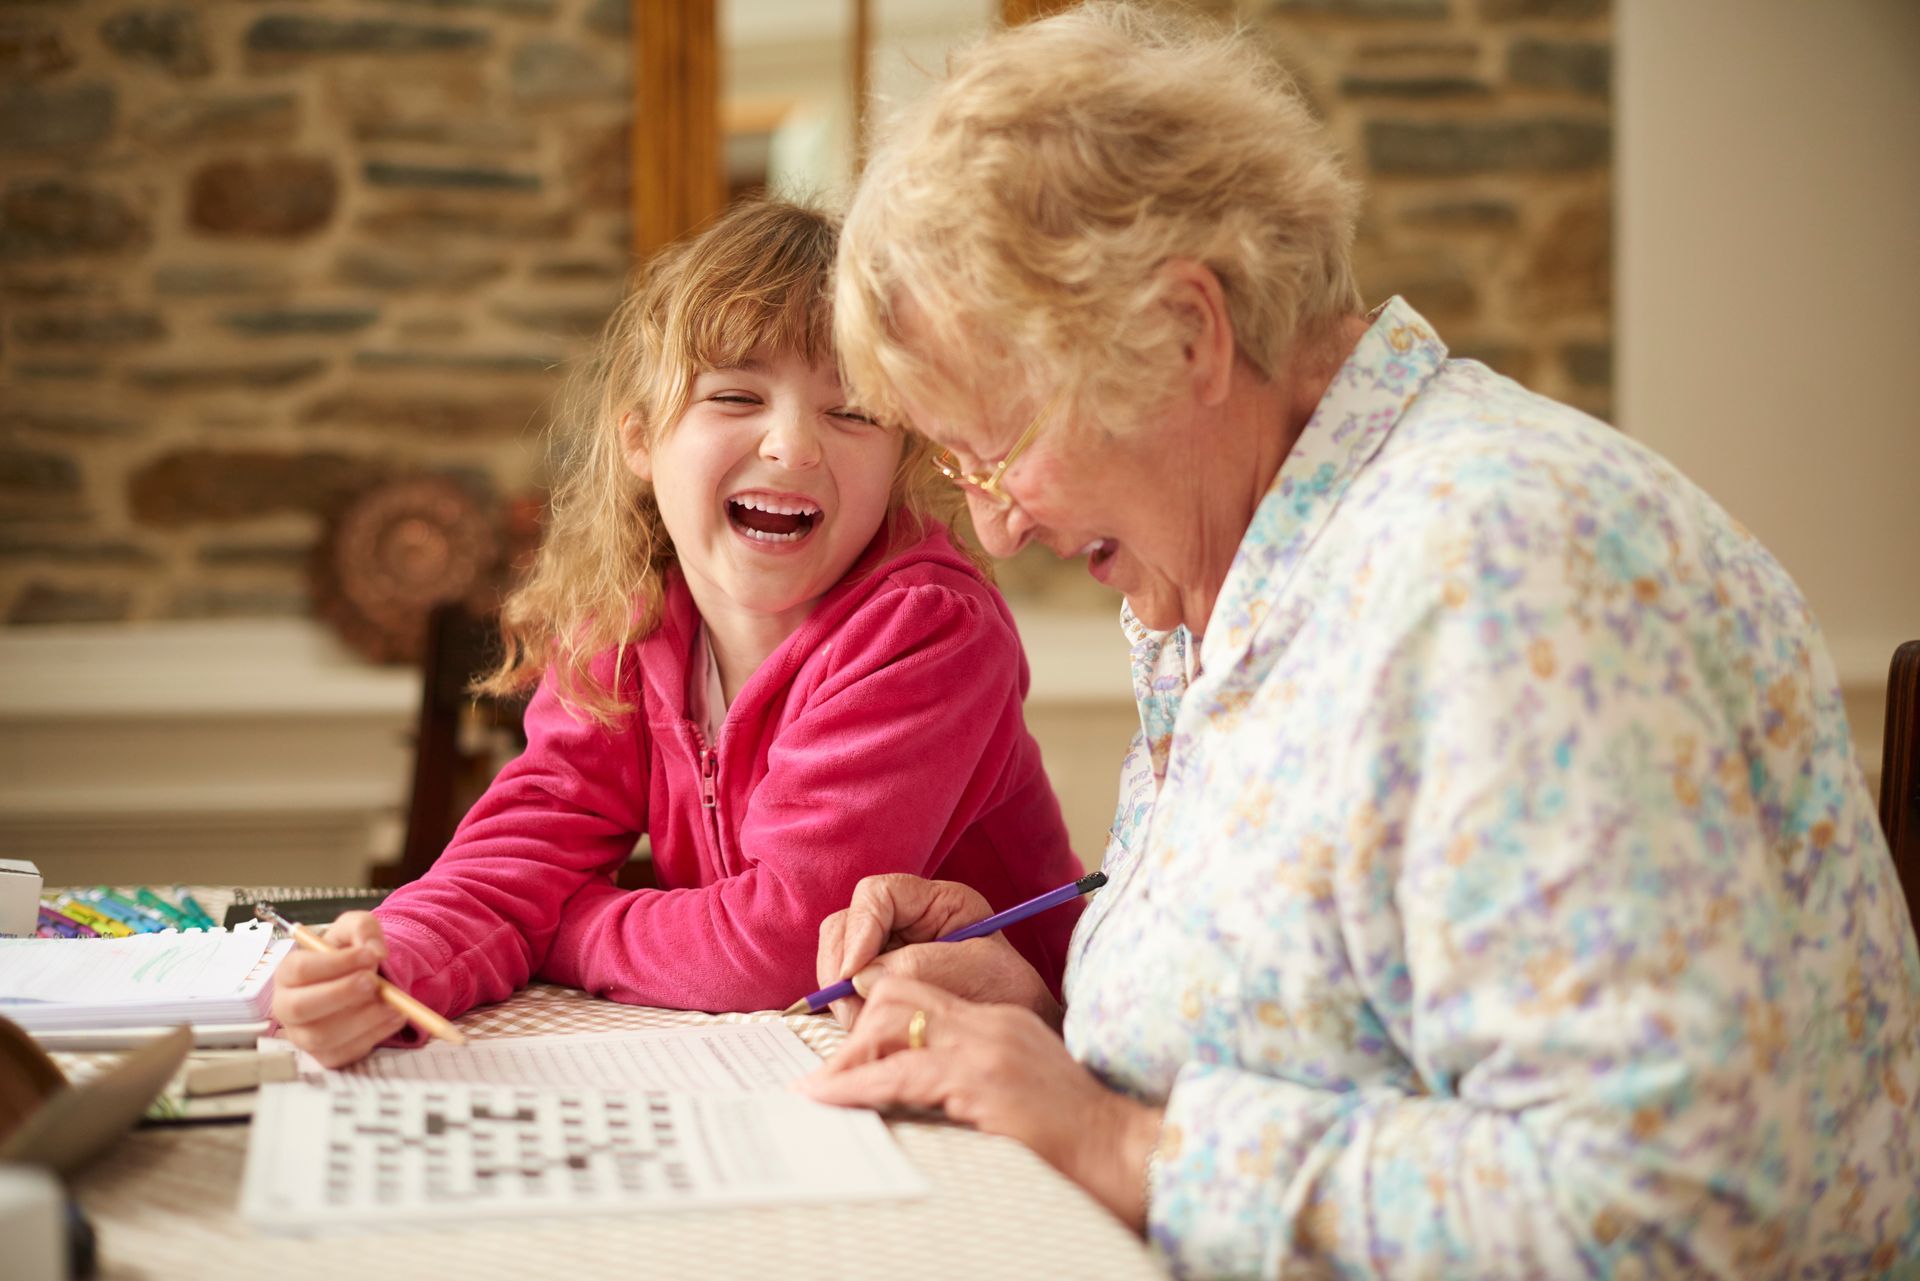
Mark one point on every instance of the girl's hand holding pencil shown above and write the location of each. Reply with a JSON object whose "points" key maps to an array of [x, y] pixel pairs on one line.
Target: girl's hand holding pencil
{"points": [[329, 998]]}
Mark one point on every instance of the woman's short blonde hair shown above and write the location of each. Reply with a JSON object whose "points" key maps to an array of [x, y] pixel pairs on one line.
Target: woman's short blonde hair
{"points": [[759, 278], [1005, 237]]}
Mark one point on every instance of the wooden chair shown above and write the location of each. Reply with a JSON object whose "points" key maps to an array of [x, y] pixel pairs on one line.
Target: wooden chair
{"points": [[1900, 772], [461, 742], [450, 767]]}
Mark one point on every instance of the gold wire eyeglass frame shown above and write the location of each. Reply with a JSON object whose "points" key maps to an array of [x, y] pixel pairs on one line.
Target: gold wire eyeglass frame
{"points": [[987, 483]]}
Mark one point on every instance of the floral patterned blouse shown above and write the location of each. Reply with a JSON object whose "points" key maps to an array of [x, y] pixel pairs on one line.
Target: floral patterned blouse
{"points": [[1495, 892]]}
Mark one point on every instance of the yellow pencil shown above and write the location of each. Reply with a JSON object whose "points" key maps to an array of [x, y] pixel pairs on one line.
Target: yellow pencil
{"points": [[422, 1017]]}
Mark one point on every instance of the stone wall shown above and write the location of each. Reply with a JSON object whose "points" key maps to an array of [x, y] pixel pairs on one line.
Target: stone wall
{"points": [[254, 256]]}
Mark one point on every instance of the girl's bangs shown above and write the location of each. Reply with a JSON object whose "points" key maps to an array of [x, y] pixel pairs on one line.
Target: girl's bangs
{"points": [[782, 307]]}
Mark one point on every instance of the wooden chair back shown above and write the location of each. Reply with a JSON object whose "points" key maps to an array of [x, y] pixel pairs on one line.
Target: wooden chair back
{"points": [[461, 741], [1900, 772]]}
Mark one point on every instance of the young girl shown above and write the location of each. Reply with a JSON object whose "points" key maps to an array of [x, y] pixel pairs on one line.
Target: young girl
{"points": [[754, 643]]}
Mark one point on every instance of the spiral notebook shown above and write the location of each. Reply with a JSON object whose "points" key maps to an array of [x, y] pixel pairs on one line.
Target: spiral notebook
{"points": [[303, 906], [146, 980]]}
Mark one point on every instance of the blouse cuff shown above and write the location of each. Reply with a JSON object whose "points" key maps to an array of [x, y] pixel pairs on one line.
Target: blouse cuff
{"points": [[1221, 1198]]}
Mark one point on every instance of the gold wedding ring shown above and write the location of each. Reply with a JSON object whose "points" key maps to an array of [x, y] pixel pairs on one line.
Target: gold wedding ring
{"points": [[917, 1031]]}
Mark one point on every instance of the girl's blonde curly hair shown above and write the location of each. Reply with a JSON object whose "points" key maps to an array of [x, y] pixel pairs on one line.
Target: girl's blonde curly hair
{"points": [[759, 278]]}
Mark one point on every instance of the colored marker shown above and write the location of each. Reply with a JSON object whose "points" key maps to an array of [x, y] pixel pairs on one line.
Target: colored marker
{"points": [[98, 922], [66, 925], [193, 909], [133, 916], [153, 902]]}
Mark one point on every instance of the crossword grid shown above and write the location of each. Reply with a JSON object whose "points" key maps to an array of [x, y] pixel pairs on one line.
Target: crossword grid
{"points": [[455, 1147]]}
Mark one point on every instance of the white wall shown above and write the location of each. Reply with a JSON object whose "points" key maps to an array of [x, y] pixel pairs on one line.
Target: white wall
{"points": [[1769, 276]]}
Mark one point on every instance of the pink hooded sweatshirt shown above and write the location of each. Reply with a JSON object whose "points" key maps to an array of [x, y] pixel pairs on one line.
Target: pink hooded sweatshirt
{"points": [[884, 735]]}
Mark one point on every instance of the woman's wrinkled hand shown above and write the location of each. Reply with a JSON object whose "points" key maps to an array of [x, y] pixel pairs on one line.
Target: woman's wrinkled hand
{"points": [[1001, 1069], [328, 1003], [889, 930]]}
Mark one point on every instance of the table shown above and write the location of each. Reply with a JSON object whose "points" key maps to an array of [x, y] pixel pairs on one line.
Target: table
{"points": [[165, 1204]]}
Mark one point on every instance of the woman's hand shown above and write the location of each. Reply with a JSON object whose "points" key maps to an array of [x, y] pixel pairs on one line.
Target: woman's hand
{"points": [[883, 932], [327, 1002], [1001, 1070]]}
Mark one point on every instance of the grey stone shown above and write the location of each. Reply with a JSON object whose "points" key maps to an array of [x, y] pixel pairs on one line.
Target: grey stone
{"points": [[416, 271], [55, 117], [289, 33], [38, 288], [29, 50], [42, 603], [1364, 8], [440, 177], [553, 71], [1579, 66], [36, 471], [612, 16], [169, 38], [23, 547], [515, 8], [104, 329], [1425, 51], [1589, 364], [57, 422], [424, 217], [201, 377], [257, 117], [300, 320], [486, 135], [1550, 145], [469, 362], [261, 555], [1414, 87], [67, 370], [431, 415], [58, 216], [198, 280], [1565, 10], [1464, 214]]}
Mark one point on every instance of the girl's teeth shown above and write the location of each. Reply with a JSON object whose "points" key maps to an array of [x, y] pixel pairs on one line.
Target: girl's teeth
{"points": [[764, 537], [778, 508]]}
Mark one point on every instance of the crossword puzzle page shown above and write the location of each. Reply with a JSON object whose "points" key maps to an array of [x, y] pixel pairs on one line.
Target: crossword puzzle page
{"points": [[347, 1152]]}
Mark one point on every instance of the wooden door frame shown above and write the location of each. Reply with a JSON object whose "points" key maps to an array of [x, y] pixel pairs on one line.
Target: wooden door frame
{"points": [[678, 178]]}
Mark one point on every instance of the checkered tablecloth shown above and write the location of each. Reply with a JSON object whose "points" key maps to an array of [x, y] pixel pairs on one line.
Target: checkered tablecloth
{"points": [[165, 1204]]}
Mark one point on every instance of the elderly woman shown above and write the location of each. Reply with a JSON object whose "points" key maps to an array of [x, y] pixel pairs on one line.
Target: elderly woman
{"points": [[1493, 889]]}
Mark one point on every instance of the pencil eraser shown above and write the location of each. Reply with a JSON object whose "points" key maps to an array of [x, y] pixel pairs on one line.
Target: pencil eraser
{"points": [[20, 885]]}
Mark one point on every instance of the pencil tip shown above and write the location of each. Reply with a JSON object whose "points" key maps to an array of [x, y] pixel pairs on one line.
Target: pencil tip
{"points": [[799, 1007]]}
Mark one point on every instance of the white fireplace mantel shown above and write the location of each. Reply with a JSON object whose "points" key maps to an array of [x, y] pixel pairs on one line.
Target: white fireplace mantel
{"points": [[262, 750], [232, 750]]}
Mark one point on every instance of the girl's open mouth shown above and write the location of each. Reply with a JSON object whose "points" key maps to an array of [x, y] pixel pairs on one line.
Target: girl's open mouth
{"points": [[772, 520]]}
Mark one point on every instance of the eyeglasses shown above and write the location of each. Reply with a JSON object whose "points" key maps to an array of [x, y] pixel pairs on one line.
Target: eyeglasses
{"points": [[987, 483]]}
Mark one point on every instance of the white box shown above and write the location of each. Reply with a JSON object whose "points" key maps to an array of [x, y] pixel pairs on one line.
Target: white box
{"points": [[19, 898]]}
